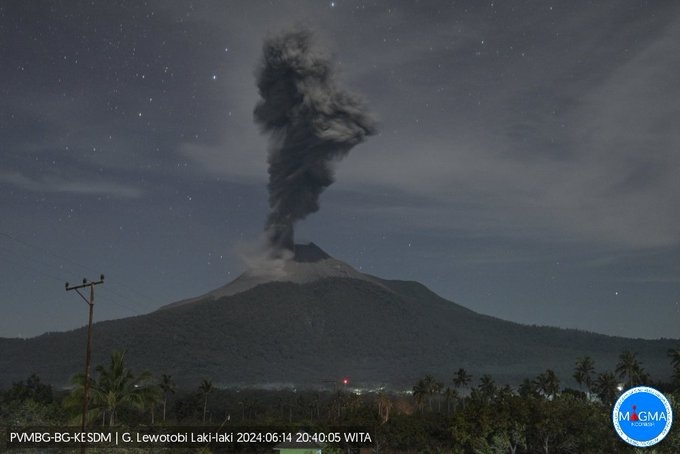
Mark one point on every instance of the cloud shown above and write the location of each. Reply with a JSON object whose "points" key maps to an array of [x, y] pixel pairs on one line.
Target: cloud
{"points": [[222, 160], [58, 184], [593, 159], [566, 133]]}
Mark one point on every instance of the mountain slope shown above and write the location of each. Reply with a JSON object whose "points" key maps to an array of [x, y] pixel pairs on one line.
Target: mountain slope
{"points": [[375, 331], [308, 263]]}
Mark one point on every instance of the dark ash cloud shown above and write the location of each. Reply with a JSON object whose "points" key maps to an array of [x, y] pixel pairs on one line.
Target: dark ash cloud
{"points": [[311, 122]]}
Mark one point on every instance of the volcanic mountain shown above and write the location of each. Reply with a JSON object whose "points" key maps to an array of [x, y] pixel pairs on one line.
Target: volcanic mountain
{"points": [[308, 263], [314, 319]]}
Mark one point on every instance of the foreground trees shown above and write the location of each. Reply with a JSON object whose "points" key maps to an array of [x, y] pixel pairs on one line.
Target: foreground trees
{"points": [[427, 389], [547, 384], [536, 417], [674, 355], [167, 386], [606, 387], [583, 373], [462, 379], [115, 387], [630, 369], [205, 389]]}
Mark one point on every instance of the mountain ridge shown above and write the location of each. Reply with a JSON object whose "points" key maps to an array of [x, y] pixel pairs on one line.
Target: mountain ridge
{"points": [[376, 331]]}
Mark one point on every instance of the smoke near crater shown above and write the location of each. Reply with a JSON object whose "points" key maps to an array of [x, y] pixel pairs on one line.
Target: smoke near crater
{"points": [[311, 122]]}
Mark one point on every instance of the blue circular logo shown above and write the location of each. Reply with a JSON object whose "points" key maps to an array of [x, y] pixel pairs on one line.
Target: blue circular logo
{"points": [[642, 416]]}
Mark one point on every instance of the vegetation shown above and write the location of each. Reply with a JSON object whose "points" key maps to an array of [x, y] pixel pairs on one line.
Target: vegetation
{"points": [[115, 388], [630, 369], [674, 355], [472, 416], [583, 373], [167, 386], [205, 389]]}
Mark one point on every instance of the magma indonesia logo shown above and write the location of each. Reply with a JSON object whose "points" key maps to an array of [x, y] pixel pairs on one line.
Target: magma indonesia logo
{"points": [[642, 416]]}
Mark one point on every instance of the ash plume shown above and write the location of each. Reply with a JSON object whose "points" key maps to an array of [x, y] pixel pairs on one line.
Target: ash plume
{"points": [[311, 123]]}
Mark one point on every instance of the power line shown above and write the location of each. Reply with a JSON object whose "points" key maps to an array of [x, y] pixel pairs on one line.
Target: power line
{"points": [[50, 252], [137, 296], [115, 296]]}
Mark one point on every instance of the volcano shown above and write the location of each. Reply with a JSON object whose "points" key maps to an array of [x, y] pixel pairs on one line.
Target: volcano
{"points": [[309, 263], [315, 319]]}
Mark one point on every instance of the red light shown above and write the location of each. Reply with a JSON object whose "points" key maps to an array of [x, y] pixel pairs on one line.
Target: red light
{"points": [[345, 381]]}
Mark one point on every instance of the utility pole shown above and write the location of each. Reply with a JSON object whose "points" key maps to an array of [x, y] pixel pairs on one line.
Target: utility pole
{"points": [[88, 354]]}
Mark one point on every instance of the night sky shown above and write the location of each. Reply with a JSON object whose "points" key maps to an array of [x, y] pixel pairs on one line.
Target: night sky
{"points": [[527, 164]]}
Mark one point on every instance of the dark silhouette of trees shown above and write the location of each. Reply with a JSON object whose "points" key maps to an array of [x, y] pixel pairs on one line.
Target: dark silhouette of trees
{"points": [[547, 384], [451, 396], [535, 417], [462, 379], [583, 373], [630, 369], [384, 406], [167, 386], [606, 387], [425, 389], [31, 389], [205, 388], [674, 355], [115, 387], [152, 395], [30, 402], [419, 394], [486, 391], [528, 388], [436, 389], [487, 386]]}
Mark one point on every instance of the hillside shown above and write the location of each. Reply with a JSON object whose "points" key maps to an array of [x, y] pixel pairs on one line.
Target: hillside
{"points": [[279, 332]]}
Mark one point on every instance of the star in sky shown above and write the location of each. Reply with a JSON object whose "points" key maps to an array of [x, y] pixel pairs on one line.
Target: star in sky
{"points": [[492, 165]]}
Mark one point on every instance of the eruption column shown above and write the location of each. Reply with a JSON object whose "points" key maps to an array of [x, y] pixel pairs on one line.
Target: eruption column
{"points": [[311, 124]]}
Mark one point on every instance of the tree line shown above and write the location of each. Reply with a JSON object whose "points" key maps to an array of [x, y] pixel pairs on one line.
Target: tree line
{"points": [[461, 414]]}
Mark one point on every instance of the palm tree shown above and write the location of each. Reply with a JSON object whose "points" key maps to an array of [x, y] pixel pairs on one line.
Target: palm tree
{"points": [[674, 355], [528, 389], [74, 401], [384, 406], [606, 387], [419, 393], [430, 387], [540, 384], [487, 387], [116, 386], [451, 395], [548, 384], [583, 373], [353, 402], [167, 385], [629, 367], [151, 396], [436, 390], [462, 378], [205, 388]]}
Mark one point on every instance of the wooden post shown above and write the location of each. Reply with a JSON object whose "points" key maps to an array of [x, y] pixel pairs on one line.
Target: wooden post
{"points": [[88, 353]]}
